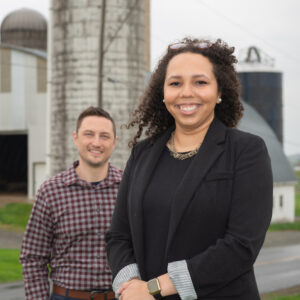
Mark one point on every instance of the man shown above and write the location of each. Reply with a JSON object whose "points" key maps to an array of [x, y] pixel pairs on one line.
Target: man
{"points": [[70, 216]]}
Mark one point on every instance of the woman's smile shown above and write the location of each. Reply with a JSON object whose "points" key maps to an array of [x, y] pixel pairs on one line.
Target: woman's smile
{"points": [[188, 109]]}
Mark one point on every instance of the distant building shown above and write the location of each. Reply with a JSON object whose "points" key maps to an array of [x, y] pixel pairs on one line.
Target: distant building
{"points": [[262, 87], [283, 176], [262, 93], [23, 95], [22, 118]]}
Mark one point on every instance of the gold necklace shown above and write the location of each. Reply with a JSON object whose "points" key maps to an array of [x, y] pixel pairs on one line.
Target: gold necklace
{"points": [[179, 155]]}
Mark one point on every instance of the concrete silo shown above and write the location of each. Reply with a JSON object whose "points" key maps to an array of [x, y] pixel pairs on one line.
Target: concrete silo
{"points": [[98, 55], [262, 87]]}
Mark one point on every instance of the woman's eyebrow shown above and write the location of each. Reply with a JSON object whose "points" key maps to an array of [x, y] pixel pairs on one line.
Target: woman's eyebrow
{"points": [[193, 76]]}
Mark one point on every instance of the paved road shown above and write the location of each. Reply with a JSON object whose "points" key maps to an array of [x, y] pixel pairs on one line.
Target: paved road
{"points": [[278, 268], [12, 291]]}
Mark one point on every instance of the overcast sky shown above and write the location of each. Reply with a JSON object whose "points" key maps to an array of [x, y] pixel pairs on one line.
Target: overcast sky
{"points": [[271, 25]]}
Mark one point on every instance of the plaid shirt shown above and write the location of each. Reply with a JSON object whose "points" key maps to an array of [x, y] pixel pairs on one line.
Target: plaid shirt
{"points": [[66, 230]]}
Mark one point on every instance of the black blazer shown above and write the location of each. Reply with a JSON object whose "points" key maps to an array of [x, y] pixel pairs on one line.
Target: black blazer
{"points": [[219, 215]]}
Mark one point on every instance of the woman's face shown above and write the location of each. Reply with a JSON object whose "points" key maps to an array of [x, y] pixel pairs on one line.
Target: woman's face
{"points": [[191, 90]]}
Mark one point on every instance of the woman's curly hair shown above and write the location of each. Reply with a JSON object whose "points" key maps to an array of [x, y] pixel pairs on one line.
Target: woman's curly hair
{"points": [[152, 114]]}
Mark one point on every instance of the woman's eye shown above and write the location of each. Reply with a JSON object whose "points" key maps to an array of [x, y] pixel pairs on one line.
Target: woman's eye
{"points": [[175, 83], [200, 82]]}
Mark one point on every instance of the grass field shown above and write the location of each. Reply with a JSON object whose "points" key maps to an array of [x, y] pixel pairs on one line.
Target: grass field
{"points": [[15, 215], [297, 191], [288, 297], [285, 226], [10, 268], [297, 206]]}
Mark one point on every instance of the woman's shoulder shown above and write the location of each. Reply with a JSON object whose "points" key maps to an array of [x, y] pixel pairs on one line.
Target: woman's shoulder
{"points": [[141, 146], [144, 143], [148, 143], [242, 138]]}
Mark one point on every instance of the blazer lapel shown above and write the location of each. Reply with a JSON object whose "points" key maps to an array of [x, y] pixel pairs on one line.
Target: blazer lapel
{"points": [[212, 147], [145, 167]]}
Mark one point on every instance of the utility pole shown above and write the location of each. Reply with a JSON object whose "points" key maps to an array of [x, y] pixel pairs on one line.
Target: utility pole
{"points": [[101, 54]]}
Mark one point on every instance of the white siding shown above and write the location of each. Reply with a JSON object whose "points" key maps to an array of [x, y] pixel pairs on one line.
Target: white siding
{"points": [[19, 63], [283, 203]]}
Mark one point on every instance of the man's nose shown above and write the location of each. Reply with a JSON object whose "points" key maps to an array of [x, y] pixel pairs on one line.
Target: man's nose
{"points": [[97, 141]]}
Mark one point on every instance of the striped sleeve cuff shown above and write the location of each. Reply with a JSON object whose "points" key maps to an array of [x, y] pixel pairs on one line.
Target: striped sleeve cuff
{"points": [[181, 278], [125, 274]]}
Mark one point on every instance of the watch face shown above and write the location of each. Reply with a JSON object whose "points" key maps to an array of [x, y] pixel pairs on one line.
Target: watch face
{"points": [[153, 286]]}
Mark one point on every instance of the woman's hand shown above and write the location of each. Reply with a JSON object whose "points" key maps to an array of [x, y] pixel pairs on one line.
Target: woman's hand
{"points": [[134, 289]]}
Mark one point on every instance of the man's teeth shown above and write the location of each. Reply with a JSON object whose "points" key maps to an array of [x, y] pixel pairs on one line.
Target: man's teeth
{"points": [[95, 151], [188, 108]]}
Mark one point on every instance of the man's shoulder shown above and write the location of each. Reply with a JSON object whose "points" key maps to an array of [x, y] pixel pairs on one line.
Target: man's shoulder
{"points": [[116, 172], [56, 181]]}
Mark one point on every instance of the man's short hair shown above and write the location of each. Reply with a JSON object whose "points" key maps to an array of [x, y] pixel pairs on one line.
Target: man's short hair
{"points": [[95, 111]]}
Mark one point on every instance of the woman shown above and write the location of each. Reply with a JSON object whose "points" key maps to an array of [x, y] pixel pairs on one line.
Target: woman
{"points": [[196, 196]]}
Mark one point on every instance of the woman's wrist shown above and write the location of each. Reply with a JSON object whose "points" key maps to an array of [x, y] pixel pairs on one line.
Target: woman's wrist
{"points": [[166, 285]]}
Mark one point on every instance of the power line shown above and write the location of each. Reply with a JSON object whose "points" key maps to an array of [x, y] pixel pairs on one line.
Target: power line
{"points": [[271, 136], [243, 28]]}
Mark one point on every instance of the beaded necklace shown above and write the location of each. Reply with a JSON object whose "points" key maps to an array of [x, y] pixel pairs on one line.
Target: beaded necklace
{"points": [[181, 155]]}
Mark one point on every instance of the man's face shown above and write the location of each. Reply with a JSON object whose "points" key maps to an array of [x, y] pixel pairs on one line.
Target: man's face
{"points": [[95, 141]]}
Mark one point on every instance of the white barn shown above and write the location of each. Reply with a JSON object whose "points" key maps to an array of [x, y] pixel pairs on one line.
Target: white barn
{"points": [[22, 117], [283, 175]]}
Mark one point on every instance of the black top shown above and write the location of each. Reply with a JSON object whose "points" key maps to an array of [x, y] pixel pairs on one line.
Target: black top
{"points": [[156, 210]]}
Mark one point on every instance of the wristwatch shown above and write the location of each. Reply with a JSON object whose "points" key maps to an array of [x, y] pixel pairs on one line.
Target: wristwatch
{"points": [[154, 288]]}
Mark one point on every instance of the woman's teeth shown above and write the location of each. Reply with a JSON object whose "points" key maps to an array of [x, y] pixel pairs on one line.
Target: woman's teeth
{"points": [[188, 108]]}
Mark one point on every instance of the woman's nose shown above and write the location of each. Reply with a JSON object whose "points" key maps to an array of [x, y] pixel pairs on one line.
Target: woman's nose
{"points": [[186, 90]]}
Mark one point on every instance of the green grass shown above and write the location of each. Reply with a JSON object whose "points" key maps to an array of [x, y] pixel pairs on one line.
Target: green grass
{"points": [[298, 184], [285, 226], [297, 191], [297, 205], [15, 215], [288, 297], [10, 268]]}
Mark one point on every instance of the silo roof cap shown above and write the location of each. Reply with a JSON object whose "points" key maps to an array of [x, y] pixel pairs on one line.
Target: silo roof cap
{"points": [[24, 19]]}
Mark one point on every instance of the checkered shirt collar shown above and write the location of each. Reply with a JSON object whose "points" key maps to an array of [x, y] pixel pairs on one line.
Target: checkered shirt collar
{"points": [[70, 177]]}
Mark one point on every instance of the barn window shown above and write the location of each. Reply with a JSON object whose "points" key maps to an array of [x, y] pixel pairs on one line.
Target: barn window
{"points": [[41, 75], [5, 70], [281, 201]]}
